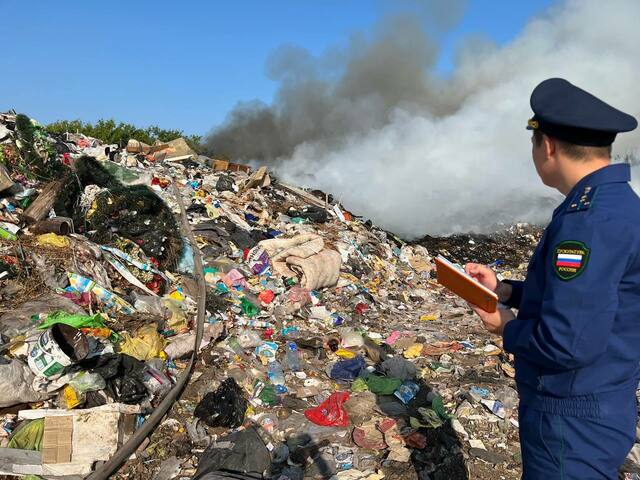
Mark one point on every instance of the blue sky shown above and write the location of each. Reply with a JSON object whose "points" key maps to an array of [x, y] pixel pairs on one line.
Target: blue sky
{"points": [[185, 64]]}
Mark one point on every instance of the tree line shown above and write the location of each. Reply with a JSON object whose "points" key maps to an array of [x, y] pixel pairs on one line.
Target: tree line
{"points": [[112, 132]]}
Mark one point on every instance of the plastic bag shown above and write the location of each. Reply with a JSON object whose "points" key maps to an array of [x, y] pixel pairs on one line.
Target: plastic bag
{"points": [[268, 395], [176, 320], [147, 343], [398, 367], [346, 354], [78, 283], [74, 394], [298, 295], [20, 319], [124, 375], [258, 260], [359, 385], [348, 369], [369, 437], [28, 436], [267, 296], [407, 391], [53, 240], [438, 406], [430, 419], [248, 308], [17, 380], [350, 338], [240, 455], [267, 351], [85, 382], [383, 385], [223, 408], [73, 320], [509, 399], [331, 412], [413, 351], [150, 304], [234, 278], [70, 398], [181, 345]]}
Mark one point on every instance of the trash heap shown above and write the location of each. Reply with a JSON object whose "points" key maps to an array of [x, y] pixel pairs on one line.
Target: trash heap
{"points": [[327, 348]]}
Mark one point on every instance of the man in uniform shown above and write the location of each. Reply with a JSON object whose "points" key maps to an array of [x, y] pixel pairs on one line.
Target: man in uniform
{"points": [[576, 337]]}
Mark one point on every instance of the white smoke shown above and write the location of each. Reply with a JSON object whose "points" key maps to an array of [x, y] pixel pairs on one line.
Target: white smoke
{"points": [[452, 154], [465, 171]]}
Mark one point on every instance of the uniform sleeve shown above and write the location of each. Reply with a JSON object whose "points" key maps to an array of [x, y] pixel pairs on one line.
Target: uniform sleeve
{"points": [[516, 293], [584, 264]]}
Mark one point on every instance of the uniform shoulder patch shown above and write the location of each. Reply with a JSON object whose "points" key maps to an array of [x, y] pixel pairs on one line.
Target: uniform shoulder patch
{"points": [[570, 258], [584, 200]]}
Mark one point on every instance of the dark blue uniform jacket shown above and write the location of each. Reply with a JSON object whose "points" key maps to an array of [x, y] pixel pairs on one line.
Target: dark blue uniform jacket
{"points": [[576, 338]]}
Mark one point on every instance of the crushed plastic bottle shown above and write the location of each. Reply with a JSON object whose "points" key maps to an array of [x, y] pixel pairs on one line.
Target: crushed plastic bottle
{"points": [[268, 422], [248, 339], [276, 373], [234, 345], [509, 399], [292, 358]]}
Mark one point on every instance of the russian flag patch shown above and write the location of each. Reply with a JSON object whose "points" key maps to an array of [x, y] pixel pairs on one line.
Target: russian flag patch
{"points": [[570, 258]]}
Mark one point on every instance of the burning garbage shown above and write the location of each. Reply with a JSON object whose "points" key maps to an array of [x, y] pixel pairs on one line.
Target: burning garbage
{"points": [[168, 314]]}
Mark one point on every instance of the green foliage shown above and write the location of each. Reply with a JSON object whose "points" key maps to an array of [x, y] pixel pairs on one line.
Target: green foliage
{"points": [[119, 133]]}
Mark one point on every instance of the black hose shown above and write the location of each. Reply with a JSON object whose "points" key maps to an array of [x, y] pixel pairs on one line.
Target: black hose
{"points": [[125, 451]]}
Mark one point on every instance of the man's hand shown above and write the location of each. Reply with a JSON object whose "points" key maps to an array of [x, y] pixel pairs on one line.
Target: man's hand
{"points": [[487, 277], [494, 322]]}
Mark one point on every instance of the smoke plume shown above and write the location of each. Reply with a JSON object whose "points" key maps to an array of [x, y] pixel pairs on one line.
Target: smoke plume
{"points": [[375, 125]]}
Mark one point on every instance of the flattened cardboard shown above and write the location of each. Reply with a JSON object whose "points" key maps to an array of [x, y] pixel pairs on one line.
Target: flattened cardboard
{"points": [[57, 439]]}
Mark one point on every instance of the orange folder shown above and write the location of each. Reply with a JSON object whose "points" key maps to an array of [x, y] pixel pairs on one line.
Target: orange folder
{"points": [[465, 286]]}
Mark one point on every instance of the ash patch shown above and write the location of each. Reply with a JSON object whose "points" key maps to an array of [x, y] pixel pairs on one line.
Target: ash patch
{"points": [[508, 248]]}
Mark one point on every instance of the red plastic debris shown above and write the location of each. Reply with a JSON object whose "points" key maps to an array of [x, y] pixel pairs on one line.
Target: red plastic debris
{"points": [[361, 308], [161, 182], [266, 296], [331, 412]]}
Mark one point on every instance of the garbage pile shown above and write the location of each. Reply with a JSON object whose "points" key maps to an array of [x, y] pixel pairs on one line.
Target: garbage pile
{"points": [[323, 346]]}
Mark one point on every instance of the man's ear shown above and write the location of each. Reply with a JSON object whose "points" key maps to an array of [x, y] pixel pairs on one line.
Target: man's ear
{"points": [[550, 146]]}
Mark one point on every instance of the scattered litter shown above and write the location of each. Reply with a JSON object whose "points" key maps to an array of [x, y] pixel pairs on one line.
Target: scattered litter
{"points": [[327, 348]]}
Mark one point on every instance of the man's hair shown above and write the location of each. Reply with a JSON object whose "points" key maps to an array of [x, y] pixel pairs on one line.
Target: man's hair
{"points": [[573, 151]]}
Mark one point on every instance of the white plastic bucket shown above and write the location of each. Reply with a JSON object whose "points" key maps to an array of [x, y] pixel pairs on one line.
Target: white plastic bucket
{"points": [[57, 348]]}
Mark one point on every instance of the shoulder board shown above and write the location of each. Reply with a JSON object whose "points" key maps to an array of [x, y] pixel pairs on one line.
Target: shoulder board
{"points": [[583, 200]]}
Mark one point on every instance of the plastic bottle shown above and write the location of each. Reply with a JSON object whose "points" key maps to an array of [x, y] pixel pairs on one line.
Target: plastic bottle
{"points": [[275, 373], [268, 422], [307, 430], [292, 358], [289, 331], [254, 323], [248, 339], [509, 398], [234, 346], [157, 383]]}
